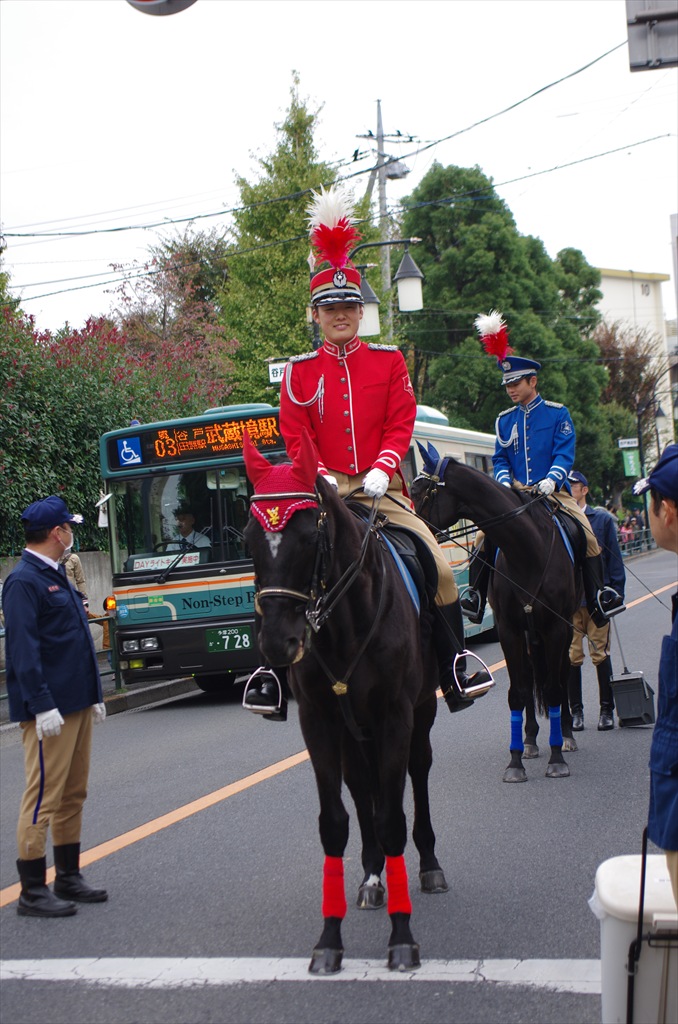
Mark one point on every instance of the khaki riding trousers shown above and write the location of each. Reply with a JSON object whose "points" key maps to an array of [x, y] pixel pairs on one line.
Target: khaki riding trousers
{"points": [[57, 770]]}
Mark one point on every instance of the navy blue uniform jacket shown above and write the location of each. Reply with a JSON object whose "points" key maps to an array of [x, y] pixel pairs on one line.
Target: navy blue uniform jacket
{"points": [[663, 818], [51, 661]]}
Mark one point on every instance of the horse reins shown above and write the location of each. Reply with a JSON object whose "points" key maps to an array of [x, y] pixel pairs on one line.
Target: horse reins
{"points": [[435, 480], [321, 602]]}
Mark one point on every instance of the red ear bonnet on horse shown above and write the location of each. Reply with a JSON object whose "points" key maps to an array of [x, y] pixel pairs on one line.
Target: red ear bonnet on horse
{"points": [[291, 486]]}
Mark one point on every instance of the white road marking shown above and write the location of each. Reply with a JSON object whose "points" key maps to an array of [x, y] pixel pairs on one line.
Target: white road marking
{"points": [[579, 976]]}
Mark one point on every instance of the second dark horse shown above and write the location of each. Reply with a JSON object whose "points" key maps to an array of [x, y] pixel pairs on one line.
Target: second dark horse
{"points": [[534, 592]]}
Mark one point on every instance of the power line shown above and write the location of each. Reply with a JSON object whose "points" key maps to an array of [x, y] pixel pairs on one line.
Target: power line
{"points": [[422, 149]]}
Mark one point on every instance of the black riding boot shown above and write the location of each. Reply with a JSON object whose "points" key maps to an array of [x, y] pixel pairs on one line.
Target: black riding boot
{"points": [[475, 598], [601, 602], [574, 698], [448, 637], [69, 883], [36, 900], [266, 694], [604, 672]]}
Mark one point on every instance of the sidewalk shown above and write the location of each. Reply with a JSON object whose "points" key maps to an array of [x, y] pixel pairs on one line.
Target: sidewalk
{"points": [[135, 696]]}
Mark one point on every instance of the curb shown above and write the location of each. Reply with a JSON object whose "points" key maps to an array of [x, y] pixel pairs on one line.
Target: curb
{"points": [[128, 700], [117, 702]]}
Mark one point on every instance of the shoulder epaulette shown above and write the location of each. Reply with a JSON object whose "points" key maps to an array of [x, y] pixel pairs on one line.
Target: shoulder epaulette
{"points": [[303, 356], [504, 411], [382, 348], [554, 405]]}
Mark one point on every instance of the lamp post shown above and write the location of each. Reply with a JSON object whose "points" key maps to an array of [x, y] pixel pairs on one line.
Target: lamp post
{"points": [[408, 277]]}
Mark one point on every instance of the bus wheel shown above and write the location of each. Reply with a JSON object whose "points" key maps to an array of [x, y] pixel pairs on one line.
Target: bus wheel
{"points": [[218, 683]]}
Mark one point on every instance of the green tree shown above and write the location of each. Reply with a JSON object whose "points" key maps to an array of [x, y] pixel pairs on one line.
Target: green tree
{"points": [[265, 298], [59, 393], [474, 259]]}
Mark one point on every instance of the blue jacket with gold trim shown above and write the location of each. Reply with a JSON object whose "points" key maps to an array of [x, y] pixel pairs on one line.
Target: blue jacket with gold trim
{"points": [[533, 442]]}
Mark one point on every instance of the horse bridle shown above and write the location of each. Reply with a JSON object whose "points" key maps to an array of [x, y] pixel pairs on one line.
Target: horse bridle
{"points": [[436, 480], [320, 602]]}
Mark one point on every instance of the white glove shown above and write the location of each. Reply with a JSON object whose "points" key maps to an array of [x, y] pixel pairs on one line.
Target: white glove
{"points": [[98, 713], [546, 486], [331, 480], [48, 723], [506, 483], [376, 483]]}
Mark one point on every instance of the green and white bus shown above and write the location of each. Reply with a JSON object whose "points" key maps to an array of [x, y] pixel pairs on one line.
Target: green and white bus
{"points": [[186, 606]]}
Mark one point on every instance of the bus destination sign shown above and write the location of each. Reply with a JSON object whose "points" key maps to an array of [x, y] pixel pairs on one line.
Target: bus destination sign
{"points": [[186, 441]]}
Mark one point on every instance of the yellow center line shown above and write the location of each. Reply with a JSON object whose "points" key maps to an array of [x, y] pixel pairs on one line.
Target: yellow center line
{"points": [[135, 835], [11, 893]]}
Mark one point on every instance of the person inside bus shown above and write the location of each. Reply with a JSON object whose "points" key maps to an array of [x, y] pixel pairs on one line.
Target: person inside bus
{"points": [[189, 537], [357, 403], [545, 431]]}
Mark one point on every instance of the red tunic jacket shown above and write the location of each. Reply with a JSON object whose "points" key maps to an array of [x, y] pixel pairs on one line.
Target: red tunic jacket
{"points": [[359, 408]]}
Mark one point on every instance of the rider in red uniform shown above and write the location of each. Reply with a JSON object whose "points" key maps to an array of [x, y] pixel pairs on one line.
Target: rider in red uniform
{"points": [[357, 403]]}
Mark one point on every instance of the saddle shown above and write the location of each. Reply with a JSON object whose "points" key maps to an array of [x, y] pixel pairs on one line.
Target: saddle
{"points": [[573, 535], [412, 553]]}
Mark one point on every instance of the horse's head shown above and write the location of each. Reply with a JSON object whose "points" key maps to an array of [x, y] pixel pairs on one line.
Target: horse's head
{"points": [[434, 500], [282, 535]]}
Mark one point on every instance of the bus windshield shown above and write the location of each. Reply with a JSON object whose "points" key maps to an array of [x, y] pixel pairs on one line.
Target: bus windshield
{"points": [[201, 512]]}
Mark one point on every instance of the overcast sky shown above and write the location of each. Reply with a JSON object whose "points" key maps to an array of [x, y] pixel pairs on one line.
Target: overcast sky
{"points": [[111, 118]]}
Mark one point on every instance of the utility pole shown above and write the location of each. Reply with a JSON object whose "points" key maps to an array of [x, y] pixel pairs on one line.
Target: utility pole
{"points": [[383, 212], [386, 167]]}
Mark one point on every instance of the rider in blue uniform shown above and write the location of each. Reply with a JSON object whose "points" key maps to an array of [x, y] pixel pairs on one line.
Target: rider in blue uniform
{"points": [[534, 448]]}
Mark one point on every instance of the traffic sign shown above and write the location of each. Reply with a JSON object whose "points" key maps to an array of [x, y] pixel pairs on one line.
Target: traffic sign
{"points": [[627, 442], [276, 372]]}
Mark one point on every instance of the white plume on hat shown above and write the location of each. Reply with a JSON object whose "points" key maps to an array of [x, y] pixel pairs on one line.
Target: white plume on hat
{"points": [[489, 323], [330, 206]]}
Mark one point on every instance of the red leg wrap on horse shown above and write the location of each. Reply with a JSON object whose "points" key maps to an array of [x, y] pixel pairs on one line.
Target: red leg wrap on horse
{"points": [[397, 887], [334, 896]]}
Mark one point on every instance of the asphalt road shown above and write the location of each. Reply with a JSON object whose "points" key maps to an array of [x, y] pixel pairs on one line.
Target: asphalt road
{"points": [[202, 823]]}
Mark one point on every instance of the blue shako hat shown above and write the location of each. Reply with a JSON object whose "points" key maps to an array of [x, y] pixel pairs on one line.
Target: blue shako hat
{"points": [[514, 367]]}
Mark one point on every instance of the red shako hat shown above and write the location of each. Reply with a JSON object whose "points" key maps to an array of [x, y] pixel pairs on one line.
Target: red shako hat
{"points": [[333, 235]]}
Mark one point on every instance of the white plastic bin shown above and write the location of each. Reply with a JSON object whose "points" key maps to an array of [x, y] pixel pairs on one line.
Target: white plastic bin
{"points": [[615, 902]]}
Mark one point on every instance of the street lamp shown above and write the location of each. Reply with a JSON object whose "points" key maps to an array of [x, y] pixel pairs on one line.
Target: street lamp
{"points": [[369, 326], [409, 279]]}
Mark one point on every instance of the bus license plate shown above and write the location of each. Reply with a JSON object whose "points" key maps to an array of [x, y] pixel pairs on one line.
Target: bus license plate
{"points": [[229, 638]]}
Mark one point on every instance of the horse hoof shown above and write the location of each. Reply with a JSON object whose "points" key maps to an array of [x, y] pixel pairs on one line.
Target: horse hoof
{"points": [[558, 770], [370, 897], [515, 775], [569, 744], [325, 961], [433, 881], [404, 958], [531, 750]]}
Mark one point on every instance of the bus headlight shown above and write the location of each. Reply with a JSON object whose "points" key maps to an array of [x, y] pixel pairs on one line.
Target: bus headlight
{"points": [[150, 643], [128, 646]]}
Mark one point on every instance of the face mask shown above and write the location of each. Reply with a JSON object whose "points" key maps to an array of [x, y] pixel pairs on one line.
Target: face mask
{"points": [[67, 550]]}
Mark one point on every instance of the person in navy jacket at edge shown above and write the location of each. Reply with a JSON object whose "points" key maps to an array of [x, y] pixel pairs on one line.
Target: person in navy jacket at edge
{"points": [[662, 824], [534, 448], [357, 403], [54, 691], [604, 525]]}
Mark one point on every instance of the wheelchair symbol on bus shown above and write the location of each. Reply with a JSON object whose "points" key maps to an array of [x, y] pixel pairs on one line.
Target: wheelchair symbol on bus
{"points": [[129, 451]]}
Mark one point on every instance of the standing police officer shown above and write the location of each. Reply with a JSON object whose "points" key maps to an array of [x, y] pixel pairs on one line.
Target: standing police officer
{"points": [[54, 691], [604, 525]]}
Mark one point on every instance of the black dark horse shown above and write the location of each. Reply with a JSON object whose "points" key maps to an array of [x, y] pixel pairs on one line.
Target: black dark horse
{"points": [[534, 593], [332, 605]]}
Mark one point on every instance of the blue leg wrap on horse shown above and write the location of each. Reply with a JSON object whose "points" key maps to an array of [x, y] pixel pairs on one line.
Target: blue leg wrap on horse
{"points": [[516, 731], [556, 737]]}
